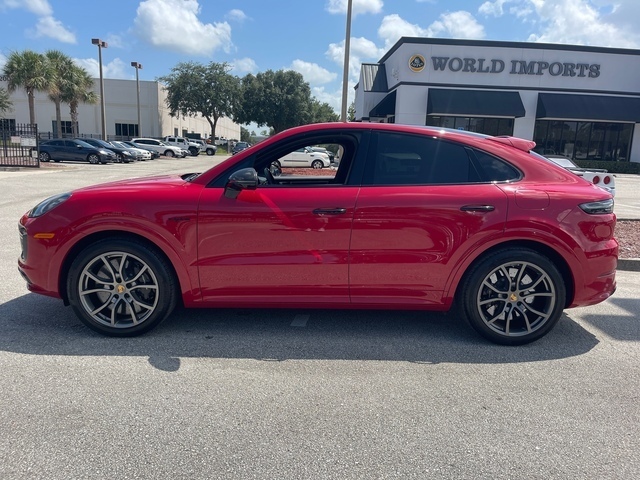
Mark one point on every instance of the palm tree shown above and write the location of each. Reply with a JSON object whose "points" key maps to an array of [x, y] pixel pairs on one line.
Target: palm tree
{"points": [[78, 89], [61, 66], [5, 101], [31, 71]]}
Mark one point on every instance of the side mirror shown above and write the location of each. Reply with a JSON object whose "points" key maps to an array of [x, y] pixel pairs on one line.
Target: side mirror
{"points": [[245, 179]]}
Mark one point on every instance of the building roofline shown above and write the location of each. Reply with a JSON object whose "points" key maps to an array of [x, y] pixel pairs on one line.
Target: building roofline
{"points": [[496, 43]]}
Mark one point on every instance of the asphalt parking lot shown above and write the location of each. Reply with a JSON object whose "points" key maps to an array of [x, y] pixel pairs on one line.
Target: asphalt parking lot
{"points": [[287, 394]]}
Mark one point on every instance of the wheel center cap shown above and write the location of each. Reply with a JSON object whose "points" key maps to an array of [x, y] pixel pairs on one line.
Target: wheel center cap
{"points": [[513, 297], [120, 288]]}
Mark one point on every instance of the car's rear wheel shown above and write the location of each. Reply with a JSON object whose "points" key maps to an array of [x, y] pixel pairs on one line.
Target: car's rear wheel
{"points": [[93, 158], [317, 164], [211, 151], [44, 157], [513, 296], [169, 153], [121, 287]]}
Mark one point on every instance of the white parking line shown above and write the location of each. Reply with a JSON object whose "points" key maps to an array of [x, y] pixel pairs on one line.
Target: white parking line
{"points": [[300, 321]]}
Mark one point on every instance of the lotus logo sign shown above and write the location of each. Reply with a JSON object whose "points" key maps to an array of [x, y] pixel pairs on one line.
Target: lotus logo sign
{"points": [[417, 63]]}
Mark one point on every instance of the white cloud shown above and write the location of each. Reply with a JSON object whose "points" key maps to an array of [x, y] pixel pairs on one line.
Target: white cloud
{"points": [[115, 41], [333, 98], [494, 8], [360, 50], [457, 25], [313, 73], [393, 27], [580, 22], [244, 65], [39, 7], [237, 15], [174, 24], [114, 69], [52, 28], [357, 6]]}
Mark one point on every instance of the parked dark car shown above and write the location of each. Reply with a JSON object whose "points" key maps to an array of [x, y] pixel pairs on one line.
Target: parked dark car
{"points": [[154, 153], [61, 149], [239, 146], [123, 155]]}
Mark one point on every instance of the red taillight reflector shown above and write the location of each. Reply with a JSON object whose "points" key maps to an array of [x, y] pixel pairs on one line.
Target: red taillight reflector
{"points": [[607, 180], [596, 179]]}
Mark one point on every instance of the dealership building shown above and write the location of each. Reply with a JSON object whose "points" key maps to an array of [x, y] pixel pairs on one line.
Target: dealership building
{"points": [[580, 102], [121, 113]]}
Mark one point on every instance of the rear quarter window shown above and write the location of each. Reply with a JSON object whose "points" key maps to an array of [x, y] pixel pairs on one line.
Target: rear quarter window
{"points": [[494, 169]]}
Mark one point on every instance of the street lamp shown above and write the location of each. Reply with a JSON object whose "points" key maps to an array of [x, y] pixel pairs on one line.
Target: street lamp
{"points": [[101, 45], [345, 74], [138, 66]]}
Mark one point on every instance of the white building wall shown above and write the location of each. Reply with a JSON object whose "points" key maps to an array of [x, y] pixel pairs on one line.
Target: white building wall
{"points": [[121, 107]]}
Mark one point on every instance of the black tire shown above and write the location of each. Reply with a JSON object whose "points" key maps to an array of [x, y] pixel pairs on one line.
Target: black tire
{"points": [[513, 296], [211, 151], [194, 152], [169, 153], [93, 158], [276, 163], [317, 164], [121, 288], [44, 157]]}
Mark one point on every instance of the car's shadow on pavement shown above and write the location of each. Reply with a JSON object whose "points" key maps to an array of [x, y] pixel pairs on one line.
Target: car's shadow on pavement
{"points": [[37, 325]]}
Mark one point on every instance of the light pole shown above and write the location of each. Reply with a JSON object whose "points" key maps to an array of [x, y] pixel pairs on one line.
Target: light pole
{"points": [[101, 45], [138, 66], [345, 75]]}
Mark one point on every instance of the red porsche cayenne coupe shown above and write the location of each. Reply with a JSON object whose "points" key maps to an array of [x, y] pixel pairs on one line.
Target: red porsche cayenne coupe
{"points": [[413, 218]]}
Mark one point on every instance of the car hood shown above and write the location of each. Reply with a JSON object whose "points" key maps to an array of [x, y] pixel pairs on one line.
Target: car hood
{"points": [[136, 184]]}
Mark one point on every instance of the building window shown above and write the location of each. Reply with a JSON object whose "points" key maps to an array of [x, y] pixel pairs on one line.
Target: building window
{"points": [[488, 126], [175, 131], [8, 125], [66, 129], [126, 129], [584, 140]]}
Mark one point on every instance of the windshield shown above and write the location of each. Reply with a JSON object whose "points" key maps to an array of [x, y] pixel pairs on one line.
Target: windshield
{"points": [[84, 144]]}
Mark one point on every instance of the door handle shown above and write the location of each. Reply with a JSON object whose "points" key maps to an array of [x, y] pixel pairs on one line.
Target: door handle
{"points": [[329, 211], [477, 208]]}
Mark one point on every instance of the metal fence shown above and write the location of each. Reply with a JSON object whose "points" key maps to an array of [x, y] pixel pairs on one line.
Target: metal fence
{"points": [[19, 146]]}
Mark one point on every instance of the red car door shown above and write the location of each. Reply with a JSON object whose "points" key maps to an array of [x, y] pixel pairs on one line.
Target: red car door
{"points": [[422, 208], [276, 245]]}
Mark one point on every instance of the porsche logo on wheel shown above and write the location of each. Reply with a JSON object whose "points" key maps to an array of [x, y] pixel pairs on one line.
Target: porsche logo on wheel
{"points": [[417, 63]]}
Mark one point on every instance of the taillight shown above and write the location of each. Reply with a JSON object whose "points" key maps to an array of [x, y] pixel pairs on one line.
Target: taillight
{"points": [[594, 208], [596, 179], [607, 180]]}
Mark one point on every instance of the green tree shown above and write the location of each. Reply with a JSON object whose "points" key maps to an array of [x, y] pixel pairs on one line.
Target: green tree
{"points": [[279, 99], [322, 112], [5, 101], [77, 89], [61, 66], [351, 112], [207, 90], [31, 71], [245, 136]]}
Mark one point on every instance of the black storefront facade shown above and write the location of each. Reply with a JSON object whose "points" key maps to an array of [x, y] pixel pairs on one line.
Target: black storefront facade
{"points": [[581, 102]]}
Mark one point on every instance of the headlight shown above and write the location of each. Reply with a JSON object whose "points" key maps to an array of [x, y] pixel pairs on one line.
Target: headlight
{"points": [[128, 154], [48, 204], [104, 152]]}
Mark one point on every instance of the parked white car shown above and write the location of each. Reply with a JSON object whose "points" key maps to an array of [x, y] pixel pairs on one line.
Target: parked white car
{"points": [[160, 147], [184, 143], [598, 176], [205, 147], [304, 158]]}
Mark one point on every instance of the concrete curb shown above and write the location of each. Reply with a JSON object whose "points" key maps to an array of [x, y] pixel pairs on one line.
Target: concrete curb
{"points": [[629, 264]]}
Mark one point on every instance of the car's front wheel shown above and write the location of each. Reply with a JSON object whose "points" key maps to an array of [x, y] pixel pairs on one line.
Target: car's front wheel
{"points": [[44, 157], [317, 164], [121, 287], [513, 296], [93, 158], [169, 153]]}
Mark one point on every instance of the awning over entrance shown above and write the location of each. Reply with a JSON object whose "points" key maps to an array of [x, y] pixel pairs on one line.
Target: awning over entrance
{"points": [[387, 106], [588, 107], [474, 103]]}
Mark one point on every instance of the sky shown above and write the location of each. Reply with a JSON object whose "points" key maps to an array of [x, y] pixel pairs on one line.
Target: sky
{"points": [[307, 36]]}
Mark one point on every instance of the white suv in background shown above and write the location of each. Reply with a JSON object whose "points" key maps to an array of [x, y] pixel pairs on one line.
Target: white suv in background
{"points": [[184, 143], [160, 147]]}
